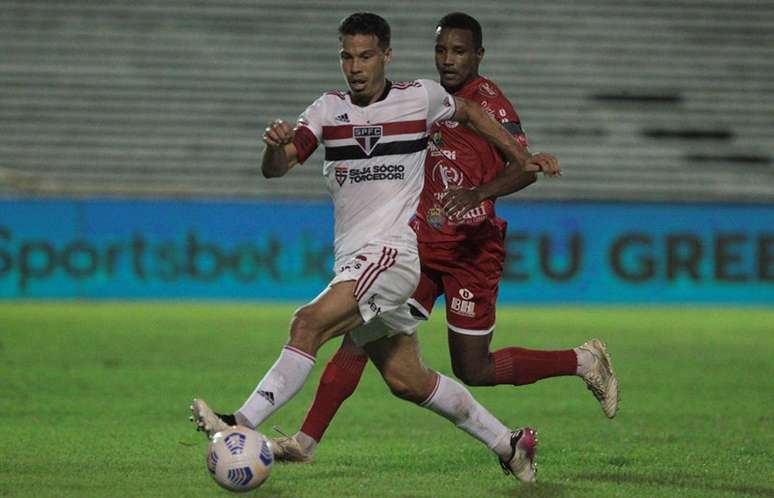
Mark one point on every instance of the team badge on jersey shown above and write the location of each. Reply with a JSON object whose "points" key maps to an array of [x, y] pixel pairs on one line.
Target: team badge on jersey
{"points": [[341, 174], [435, 217], [367, 137]]}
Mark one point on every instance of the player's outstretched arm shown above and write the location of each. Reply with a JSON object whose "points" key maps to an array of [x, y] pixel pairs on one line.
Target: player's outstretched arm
{"points": [[474, 117], [512, 180], [280, 154], [458, 202]]}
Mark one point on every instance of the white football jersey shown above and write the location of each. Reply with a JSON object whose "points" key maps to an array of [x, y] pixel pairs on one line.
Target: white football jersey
{"points": [[374, 159]]}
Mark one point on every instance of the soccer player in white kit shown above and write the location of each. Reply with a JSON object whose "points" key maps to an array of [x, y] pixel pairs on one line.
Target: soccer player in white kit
{"points": [[375, 139]]}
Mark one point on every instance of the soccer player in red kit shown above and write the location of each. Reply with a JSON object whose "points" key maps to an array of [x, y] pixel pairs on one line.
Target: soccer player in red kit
{"points": [[461, 251]]}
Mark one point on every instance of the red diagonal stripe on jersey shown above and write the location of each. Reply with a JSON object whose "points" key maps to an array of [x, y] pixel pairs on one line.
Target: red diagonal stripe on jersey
{"points": [[397, 128]]}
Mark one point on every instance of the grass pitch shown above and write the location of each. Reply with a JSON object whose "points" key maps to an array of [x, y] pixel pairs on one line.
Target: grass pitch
{"points": [[94, 402]]}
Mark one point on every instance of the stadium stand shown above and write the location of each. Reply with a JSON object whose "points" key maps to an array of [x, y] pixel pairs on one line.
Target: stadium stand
{"points": [[642, 100]]}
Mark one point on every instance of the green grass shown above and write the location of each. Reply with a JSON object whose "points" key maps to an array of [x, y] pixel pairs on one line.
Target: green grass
{"points": [[94, 402]]}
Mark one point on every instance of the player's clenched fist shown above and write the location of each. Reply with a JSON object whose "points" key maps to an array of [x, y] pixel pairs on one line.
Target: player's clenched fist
{"points": [[545, 162], [278, 133]]}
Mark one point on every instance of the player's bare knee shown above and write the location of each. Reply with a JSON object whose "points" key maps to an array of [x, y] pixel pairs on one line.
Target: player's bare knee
{"points": [[304, 334], [405, 389]]}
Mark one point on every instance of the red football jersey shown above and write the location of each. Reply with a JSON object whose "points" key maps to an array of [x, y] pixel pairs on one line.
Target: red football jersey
{"points": [[459, 158]]}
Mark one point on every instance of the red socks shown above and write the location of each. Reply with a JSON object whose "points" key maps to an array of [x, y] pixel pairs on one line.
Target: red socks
{"points": [[519, 366], [338, 382]]}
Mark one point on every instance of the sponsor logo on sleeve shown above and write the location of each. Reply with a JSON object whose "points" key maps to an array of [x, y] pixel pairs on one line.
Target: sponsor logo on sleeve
{"points": [[487, 90], [487, 107]]}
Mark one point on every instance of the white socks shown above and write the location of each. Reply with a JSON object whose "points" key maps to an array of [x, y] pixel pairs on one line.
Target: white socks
{"points": [[283, 380], [449, 399], [455, 403]]}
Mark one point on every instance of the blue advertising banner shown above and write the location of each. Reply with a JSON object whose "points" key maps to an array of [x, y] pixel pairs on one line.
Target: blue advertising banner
{"points": [[570, 252]]}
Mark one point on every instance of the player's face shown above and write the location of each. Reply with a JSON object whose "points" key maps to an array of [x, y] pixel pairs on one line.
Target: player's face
{"points": [[363, 64], [456, 57]]}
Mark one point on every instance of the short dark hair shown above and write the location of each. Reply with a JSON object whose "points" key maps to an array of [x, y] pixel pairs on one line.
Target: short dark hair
{"points": [[366, 23], [460, 20]]}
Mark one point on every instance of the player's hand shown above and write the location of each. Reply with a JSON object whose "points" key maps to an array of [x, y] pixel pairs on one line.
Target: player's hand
{"points": [[459, 201], [278, 133], [545, 162]]}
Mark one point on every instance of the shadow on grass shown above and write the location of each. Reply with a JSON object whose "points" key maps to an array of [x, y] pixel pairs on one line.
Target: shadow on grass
{"points": [[694, 482], [276, 492], [541, 490]]}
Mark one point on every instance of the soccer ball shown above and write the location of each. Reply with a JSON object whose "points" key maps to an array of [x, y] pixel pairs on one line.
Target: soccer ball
{"points": [[239, 459]]}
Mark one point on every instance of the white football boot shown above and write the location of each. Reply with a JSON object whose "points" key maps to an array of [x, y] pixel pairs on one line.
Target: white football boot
{"points": [[600, 378], [205, 419], [521, 464]]}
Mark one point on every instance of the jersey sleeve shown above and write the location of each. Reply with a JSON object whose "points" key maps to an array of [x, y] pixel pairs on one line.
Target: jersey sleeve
{"points": [[491, 99], [514, 127], [309, 129], [440, 105]]}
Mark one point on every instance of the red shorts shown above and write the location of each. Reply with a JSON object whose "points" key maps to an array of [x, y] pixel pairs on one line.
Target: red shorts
{"points": [[468, 275]]}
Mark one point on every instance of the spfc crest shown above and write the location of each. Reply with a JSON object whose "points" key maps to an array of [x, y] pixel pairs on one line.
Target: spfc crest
{"points": [[367, 137], [341, 174]]}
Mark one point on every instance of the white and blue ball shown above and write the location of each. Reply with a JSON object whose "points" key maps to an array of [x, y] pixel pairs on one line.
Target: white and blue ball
{"points": [[239, 459]]}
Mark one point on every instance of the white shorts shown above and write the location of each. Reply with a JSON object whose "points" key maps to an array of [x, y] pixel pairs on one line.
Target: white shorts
{"points": [[385, 277]]}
